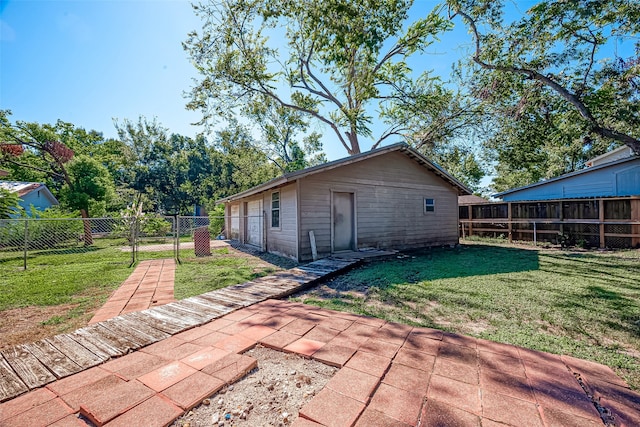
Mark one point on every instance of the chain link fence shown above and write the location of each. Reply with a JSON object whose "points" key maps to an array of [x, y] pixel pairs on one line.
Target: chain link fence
{"points": [[148, 236], [21, 238]]}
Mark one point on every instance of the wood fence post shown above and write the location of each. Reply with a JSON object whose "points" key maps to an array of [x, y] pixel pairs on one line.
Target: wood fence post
{"points": [[509, 218], [635, 216], [601, 222], [470, 231]]}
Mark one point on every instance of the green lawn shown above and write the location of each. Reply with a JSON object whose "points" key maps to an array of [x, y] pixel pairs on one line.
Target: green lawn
{"points": [[196, 276], [586, 304], [81, 280]]}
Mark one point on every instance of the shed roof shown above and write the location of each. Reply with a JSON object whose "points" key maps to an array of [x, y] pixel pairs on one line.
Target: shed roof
{"points": [[586, 171], [399, 147]]}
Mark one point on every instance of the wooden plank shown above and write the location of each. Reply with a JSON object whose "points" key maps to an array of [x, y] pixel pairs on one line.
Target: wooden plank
{"points": [[243, 297], [120, 328], [33, 373], [230, 302], [127, 343], [231, 296], [194, 311], [211, 312], [155, 334], [259, 292], [10, 383], [217, 307], [158, 321], [91, 336], [80, 355], [212, 297], [170, 316], [192, 318], [53, 359]]}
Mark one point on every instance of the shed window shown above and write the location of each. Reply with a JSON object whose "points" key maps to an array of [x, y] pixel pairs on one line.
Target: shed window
{"points": [[275, 210], [429, 205]]}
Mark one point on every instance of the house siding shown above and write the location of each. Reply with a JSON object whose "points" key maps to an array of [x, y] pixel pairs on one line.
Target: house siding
{"points": [[618, 180], [283, 240], [389, 203]]}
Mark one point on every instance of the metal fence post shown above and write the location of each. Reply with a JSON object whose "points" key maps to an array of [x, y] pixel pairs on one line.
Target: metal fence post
{"points": [[535, 235], [178, 239], [26, 242]]}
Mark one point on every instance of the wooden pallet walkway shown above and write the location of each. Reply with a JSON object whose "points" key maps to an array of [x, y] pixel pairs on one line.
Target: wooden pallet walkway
{"points": [[29, 366]]}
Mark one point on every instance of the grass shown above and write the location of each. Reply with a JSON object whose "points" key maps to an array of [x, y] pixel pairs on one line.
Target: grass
{"points": [[586, 304], [223, 268], [74, 284], [62, 278]]}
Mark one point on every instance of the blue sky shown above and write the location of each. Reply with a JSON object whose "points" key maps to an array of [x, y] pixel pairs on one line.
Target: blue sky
{"points": [[87, 62]]}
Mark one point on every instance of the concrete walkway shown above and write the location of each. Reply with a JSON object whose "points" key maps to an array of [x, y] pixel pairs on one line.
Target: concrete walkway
{"points": [[390, 375], [150, 285]]}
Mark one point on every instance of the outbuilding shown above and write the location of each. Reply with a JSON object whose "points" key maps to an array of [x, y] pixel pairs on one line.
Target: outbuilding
{"points": [[388, 198]]}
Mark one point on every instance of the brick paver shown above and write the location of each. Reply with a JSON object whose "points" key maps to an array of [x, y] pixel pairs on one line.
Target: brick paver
{"points": [[390, 375], [150, 285]]}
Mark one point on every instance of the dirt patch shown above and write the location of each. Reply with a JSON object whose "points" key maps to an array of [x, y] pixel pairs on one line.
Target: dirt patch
{"points": [[29, 324], [270, 395]]}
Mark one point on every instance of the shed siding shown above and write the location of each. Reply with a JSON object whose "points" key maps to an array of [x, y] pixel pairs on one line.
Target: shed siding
{"points": [[283, 240], [389, 203]]}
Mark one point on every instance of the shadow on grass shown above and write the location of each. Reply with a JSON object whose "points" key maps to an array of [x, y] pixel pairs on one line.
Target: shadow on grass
{"points": [[446, 263], [279, 261]]}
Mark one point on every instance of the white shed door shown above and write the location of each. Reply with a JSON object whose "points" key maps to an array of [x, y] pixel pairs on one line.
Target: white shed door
{"points": [[254, 222], [235, 221]]}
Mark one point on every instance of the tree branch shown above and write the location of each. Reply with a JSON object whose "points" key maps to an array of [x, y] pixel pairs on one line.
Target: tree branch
{"points": [[572, 98]]}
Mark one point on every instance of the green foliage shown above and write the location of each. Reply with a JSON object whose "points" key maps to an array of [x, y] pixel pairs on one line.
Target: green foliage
{"points": [[280, 127], [339, 59], [51, 228], [171, 170], [89, 181], [8, 203], [237, 165], [552, 84], [154, 225], [216, 218]]}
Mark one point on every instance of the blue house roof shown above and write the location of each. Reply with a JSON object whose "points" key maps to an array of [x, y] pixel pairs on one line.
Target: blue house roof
{"points": [[614, 179]]}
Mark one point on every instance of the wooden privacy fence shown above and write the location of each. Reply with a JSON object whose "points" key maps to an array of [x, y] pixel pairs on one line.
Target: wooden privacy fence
{"points": [[602, 222]]}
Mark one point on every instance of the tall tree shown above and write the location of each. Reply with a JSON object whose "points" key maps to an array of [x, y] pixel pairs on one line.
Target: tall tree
{"points": [[237, 163], [555, 71], [281, 140], [89, 181], [170, 169], [35, 147], [342, 59]]}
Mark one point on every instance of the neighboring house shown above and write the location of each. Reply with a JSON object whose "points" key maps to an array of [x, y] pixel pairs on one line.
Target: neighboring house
{"points": [[3, 172], [389, 198], [31, 194], [616, 154], [616, 178]]}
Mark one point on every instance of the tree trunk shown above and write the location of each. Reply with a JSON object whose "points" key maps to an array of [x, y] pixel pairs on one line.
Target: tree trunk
{"points": [[88, 238]]}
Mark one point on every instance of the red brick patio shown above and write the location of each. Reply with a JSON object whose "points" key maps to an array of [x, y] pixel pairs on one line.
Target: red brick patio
{"points": [[391, 375]]}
